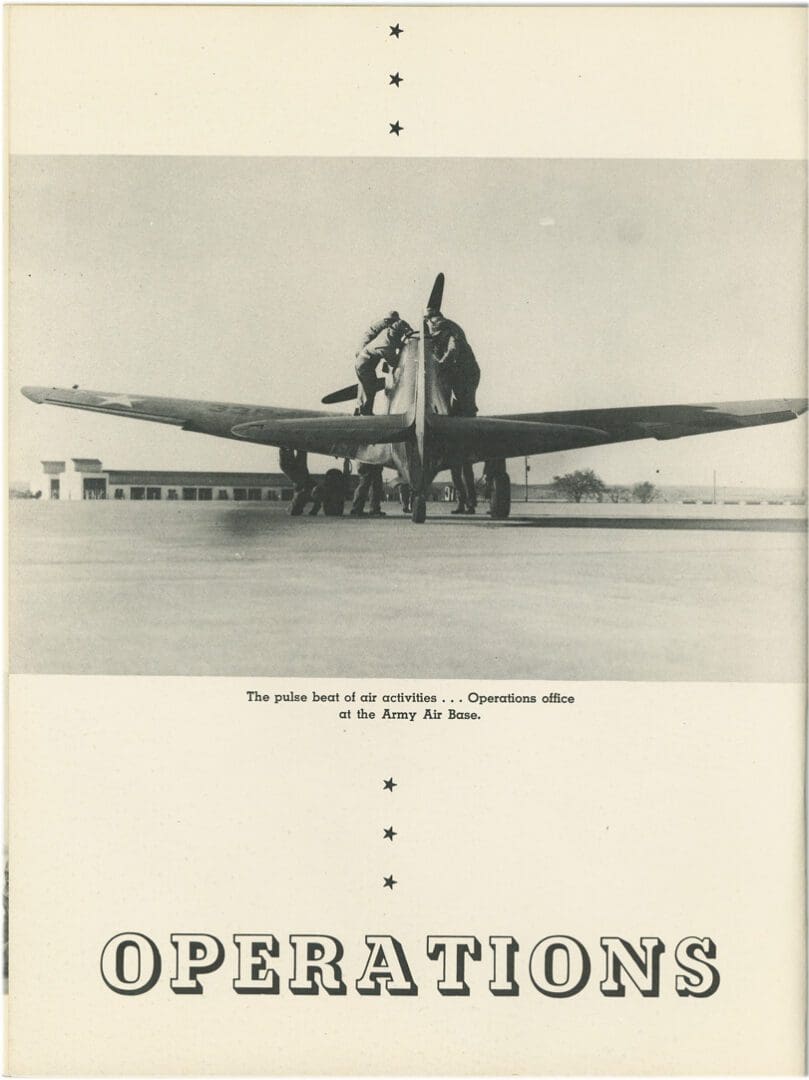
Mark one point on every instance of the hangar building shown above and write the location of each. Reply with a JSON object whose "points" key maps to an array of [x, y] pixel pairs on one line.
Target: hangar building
{"points": [[85, 478]]}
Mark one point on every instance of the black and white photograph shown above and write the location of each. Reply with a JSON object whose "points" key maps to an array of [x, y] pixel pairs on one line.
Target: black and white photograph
{"points": [[407, 521], [493, 418]]}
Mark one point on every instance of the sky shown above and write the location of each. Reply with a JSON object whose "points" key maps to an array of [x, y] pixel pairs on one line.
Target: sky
{"points": [[579, 283]]}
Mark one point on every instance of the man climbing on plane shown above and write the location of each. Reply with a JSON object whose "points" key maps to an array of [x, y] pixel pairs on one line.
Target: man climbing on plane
{"points": [[381, 343], [460, 375]]}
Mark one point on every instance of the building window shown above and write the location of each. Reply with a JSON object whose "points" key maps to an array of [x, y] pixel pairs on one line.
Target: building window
{"points": [[189, 493], [272, 494], [154, 493], [119, 493], [222, 494], [137, 493], [94, 487], [171, 493], [254, 494], [239, 493], [206, 494], [54, 487]]}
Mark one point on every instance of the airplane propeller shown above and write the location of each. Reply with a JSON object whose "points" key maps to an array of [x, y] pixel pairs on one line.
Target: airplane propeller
{"points": [[348, 393], [437, 294]]}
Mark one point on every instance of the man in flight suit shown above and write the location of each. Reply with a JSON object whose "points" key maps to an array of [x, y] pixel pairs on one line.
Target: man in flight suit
{"points": [[377, 328], [460, 375], [382, 342]]}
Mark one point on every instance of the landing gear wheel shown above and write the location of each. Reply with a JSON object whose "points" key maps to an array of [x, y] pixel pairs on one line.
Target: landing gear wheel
{"points": [[419, 509], [500, 498]]}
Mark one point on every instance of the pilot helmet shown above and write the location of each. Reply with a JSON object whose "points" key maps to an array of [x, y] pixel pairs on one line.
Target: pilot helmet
{"points": [[392, 317]]}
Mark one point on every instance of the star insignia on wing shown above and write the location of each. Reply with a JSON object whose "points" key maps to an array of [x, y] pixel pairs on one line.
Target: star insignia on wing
{"points": [[124, 400]]}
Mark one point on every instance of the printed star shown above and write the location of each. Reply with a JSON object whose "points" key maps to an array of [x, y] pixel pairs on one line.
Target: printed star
{"points": [[395, 79], [118, 399], [396, 128], [389, 833], [390, 882], [390, 784], [395, 31]]}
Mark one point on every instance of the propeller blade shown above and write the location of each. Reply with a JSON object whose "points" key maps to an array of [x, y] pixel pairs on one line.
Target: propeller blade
{"points": [[437, 294], [348, 393]]}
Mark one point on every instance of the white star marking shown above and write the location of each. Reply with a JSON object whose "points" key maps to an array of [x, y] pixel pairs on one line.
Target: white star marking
{"points": [[119, 399]]}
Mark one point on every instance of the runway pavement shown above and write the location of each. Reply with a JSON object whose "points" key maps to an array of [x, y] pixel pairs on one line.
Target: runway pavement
{"points": [[664, 592]]}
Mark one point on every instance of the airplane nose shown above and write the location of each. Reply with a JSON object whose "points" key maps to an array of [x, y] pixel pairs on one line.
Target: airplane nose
{"points": [[796, 405]]}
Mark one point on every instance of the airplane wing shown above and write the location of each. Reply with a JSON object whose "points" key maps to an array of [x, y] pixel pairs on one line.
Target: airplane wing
{"points": [[300, 429], [522, 434]]}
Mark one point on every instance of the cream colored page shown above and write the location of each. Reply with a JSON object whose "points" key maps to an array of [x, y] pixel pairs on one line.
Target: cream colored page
{"points": [[664, 811], [515, 82], [174, 805]]}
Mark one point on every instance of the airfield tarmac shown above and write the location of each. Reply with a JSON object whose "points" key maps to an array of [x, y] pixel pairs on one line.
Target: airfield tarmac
{"points": [[660, 592]]}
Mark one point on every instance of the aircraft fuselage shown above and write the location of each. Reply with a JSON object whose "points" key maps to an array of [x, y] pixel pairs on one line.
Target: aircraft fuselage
{"points": [[414, 388]]}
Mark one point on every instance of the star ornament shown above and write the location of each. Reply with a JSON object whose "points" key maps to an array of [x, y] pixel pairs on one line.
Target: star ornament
{"points": [[389, 833], [395, 79], [390, 882], [396, 128], [390, 784], [124, 400], [395, 31]]}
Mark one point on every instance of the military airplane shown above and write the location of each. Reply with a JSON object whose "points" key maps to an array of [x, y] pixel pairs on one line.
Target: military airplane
{"points": [[416, 433]]}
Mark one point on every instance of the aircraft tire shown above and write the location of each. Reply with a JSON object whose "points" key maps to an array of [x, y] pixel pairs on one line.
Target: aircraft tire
{"points": [[419, 513], [500, 498]]}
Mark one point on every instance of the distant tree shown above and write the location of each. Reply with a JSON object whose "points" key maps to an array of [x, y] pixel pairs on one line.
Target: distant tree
{"points": [[581, 484], [618, 494], [645, 492]]}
